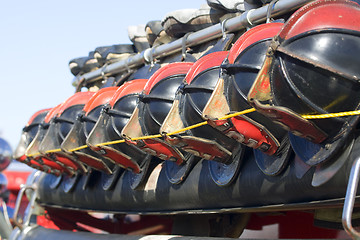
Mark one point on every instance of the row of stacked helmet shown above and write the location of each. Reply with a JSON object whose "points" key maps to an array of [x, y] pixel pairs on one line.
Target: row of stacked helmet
{"points": [[249, 90]]}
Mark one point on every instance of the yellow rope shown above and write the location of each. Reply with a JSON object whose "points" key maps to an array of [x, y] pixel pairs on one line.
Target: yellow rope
{"points": [[238, 113], [319, 116], [54, 150], [78, 148], [146, 137], [187, 128], [331, 115], [33, 155], [110, 143]]}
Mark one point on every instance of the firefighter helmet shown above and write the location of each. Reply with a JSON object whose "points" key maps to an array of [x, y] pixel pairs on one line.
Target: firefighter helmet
{"points": [[204, 141], [154, 105], [311, 68], [82, 125]]}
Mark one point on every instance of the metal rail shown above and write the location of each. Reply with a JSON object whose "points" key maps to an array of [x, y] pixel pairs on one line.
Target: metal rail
{"points": [[350, 200], [32, 233], [247, 19]]}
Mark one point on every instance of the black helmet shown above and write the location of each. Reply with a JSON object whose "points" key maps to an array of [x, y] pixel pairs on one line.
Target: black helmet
{"points": [[75, 141], [110, 123], [154, 105], [27, 135], [312, 68], [187, 110], [237, 76], [204, 141], [106, 138], [59, 127], [238, 72], [33, 150]]}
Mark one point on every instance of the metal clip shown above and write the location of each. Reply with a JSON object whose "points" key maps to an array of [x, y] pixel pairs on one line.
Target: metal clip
{"points": [[269, 10], [104, 77], [183, 46], [149, 56], [127, 65], [223, 29], [250, 24]]}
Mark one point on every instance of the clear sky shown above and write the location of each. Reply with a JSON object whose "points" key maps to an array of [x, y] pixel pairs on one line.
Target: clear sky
{"points": [[39, 38]]}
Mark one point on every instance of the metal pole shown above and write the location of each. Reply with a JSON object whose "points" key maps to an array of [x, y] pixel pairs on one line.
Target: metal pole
{"points": [[350, 200], [38, 232], [248, 18]]}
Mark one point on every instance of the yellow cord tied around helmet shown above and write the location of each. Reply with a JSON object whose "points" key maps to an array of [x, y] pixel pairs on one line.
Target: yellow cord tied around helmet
{"points": [[318, 116]]}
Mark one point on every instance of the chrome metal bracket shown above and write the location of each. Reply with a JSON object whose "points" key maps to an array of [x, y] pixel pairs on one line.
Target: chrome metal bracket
{"points": [[350, 200], [30, 185]]}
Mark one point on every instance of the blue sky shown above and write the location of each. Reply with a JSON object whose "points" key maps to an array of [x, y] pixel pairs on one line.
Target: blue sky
{"points": [[39, 38]]}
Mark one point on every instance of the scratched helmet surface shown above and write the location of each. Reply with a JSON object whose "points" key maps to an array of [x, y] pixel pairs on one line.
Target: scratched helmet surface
{"points": [[312, 68], [61, 124], [200, 83], [159, 94], [75, 141], [244, 62], [112, 120]]}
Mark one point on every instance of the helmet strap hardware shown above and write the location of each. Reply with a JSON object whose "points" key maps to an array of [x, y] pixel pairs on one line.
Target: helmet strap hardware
{"points": [[183, 46], [269, 11], [223, 29]]}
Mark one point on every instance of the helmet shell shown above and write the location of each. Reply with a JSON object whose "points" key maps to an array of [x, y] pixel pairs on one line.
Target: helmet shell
{"points": [[159, 94], [314, 67]]}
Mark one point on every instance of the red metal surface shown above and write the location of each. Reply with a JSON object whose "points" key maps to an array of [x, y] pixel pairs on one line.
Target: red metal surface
{"points": [[52, 113], [206, 62], [166, 71], [253, 35], [124, 224], [77, 98], [101, 97], [333, 14], [294, 224], [132, 87], [36, 114]]}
